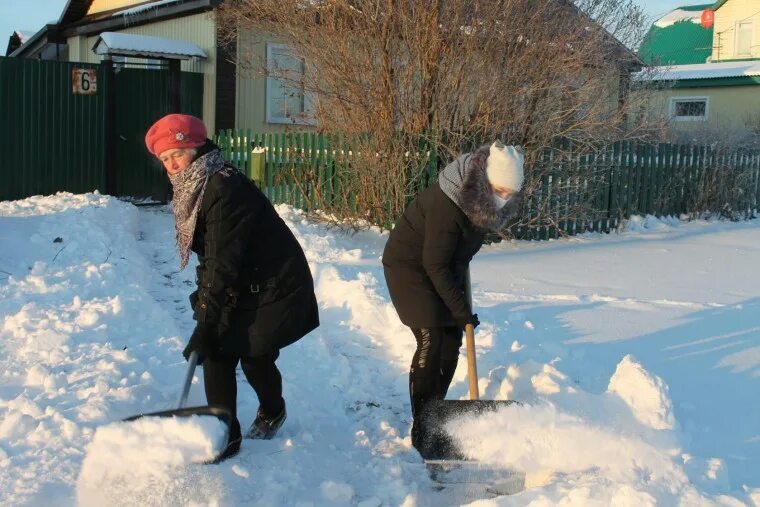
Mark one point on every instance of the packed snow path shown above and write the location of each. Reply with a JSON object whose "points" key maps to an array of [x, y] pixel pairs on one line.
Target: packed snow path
{"points": [[638, 356]]}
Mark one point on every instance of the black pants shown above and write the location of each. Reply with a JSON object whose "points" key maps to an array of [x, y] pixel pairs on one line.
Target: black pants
{"points": [[261, 372], [433, 364]]}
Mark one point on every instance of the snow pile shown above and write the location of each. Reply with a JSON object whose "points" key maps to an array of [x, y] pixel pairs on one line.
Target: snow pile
{"points": [[147, 457], [638, 223], [588, 449], [152, 445], [82, 340], [646, 395], [94, 315]]}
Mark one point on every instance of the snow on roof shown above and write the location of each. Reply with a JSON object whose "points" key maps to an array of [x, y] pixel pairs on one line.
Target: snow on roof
{"points": [[146, 46], [142, 8], [701, 71], [24, 35], [693, 14]]}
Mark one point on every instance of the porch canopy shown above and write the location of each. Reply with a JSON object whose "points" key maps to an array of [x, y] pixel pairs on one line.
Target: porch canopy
{"points": [[145, 46]]}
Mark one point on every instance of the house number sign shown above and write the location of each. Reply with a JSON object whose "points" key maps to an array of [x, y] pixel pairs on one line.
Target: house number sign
{"points": [[84, 81]]}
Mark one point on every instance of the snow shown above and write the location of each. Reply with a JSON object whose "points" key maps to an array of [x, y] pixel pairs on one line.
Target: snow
{"points": [[678, 15], [700, 71], [142, 8], [645, 395], [149, 450], [636, 358], [24, 35], [146, 45]]}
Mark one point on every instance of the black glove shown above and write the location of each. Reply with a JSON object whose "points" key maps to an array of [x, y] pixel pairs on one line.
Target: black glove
{"points": [[193, 299], [472, 319], [204, 341]]}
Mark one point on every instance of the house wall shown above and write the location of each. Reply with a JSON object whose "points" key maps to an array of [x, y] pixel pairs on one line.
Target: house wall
{"points": [[251, 86], [200, 29], [107, 5], [729, 107], [727, 18]]}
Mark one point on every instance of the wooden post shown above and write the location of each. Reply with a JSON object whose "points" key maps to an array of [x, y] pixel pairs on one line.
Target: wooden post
{"points": [[175, 86], [109, 128]]}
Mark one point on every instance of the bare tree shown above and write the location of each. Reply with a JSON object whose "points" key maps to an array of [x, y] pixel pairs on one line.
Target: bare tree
{"points": [[439, 77]]}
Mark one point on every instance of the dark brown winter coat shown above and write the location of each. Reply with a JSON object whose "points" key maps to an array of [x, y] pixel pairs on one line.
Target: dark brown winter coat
{"points": [[254, 284], [430, 248]]}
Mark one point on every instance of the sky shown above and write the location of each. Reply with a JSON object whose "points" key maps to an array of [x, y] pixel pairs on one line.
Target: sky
{"points": [[26, 15], [31, 15]]}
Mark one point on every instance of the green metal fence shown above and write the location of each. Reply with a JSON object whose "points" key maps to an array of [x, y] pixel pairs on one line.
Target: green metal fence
{"points": [[53, 139], [141, 100], [577, 190]]}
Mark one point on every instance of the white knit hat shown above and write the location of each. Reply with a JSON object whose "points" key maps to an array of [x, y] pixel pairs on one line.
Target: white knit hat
{"points": [[504, 167]]}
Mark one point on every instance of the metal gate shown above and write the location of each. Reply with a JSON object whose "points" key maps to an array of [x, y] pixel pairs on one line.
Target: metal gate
{"points": [[52, 125]]}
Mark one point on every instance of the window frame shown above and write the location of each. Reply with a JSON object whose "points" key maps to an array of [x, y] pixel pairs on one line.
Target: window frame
{"points": [[674, 100], [739, 24], [271, 48]]}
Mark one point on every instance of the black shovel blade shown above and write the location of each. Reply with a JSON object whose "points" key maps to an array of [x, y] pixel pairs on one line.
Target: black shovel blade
{"points": [[437, 444], [218, 412], [208, 411]]}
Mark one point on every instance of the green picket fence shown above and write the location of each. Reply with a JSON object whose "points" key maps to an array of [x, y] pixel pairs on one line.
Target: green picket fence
{"points": [[577, 190]]}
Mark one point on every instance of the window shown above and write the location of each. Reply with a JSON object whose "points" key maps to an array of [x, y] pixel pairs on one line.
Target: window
{"points": [[287, 102], [689, 108], [744, 38]]}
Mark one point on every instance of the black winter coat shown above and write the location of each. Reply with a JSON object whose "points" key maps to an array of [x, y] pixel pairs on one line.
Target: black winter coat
{"points": [[430, 248], [426, 259], [254, 284]]}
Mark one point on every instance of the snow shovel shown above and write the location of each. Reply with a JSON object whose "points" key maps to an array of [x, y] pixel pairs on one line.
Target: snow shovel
{"points": [[204, 411], [437, 445]]}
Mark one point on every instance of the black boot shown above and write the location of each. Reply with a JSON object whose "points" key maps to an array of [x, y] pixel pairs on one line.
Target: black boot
{"points": [[233, 443], [265, 427], [420, 426]]}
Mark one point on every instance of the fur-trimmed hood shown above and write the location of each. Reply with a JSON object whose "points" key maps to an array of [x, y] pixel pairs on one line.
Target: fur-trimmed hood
{"points": [[465, 182]]}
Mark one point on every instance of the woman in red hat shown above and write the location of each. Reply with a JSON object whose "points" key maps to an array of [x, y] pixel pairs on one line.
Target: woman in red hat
{"points": [[255, 291]]}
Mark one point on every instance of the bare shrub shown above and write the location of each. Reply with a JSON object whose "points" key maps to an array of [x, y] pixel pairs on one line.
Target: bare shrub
{"points": [[406, 78]]}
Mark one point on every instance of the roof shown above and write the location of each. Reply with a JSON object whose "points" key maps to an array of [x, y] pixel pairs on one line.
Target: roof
{"points": [[702, 71], [23, 35], [678, 38], [678, 44], [36, 41], [719, 4], [75, 21], [691, 13], [16, 40], [146, 46], [74, 10]]}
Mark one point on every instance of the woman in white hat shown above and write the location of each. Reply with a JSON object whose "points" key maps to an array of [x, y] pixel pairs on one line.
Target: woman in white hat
{"points": [[427, 257]]}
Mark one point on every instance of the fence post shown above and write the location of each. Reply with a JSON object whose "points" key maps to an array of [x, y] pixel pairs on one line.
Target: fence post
{"points": [[109, 128]]}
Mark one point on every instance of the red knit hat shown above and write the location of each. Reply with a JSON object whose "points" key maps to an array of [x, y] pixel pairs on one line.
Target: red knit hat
{"points": [[175, 131]]}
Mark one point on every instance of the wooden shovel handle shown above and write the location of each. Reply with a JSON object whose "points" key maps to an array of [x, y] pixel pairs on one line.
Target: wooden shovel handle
{"points": [[469, 332], [472, 365]]}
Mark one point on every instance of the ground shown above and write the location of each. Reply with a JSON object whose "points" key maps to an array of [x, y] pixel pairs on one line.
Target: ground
{"points": [[636, 357]]}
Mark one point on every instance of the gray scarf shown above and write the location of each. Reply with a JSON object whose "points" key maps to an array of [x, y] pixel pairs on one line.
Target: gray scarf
{"points": [[465, 182], [451, 178], [189, 187]]}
